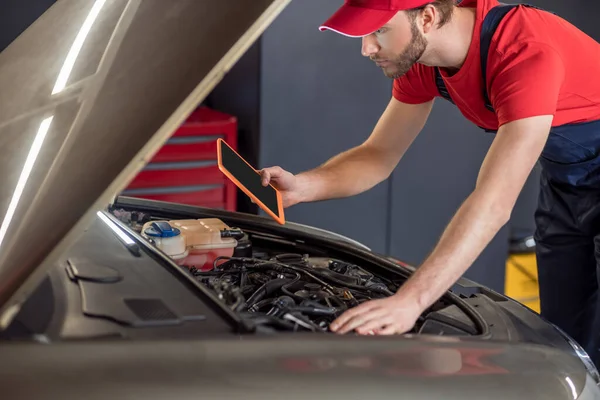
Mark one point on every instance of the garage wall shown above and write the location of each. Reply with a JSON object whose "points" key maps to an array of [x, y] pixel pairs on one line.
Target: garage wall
{"points": [[239, 94], [17, 15], [319, 97]]}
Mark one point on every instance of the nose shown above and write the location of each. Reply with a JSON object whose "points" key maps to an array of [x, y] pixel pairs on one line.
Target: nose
{"points": [[369, 46]]}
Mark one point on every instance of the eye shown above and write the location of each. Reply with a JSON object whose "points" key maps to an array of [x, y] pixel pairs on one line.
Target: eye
{"points": [[381, 31]]}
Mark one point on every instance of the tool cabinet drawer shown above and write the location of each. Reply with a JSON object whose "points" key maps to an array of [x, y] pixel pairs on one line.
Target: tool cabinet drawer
{"points": [[178, 174], [184, 170], [189, 148]]}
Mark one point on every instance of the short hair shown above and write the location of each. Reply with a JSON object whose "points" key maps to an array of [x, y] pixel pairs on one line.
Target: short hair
{"points": [[444, 7]]}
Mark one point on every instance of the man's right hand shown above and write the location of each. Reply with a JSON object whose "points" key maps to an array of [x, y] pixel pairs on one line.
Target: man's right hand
{"points": [[287, 183]]}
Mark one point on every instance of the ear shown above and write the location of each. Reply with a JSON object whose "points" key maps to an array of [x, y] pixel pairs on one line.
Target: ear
{"points": [[428, 17]]}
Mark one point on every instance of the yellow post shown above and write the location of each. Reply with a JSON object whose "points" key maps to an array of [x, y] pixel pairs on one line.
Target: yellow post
{"points": [[521, 281]]}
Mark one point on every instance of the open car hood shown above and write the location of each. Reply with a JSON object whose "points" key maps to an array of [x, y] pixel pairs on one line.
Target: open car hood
{"points": [[89, 93]]}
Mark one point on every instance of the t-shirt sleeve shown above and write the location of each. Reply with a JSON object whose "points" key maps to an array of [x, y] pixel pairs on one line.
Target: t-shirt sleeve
{"points": [[527, 83], [416, 86]]}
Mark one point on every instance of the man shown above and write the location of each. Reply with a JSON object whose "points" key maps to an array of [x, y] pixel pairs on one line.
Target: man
{"points": [[544, 104]]}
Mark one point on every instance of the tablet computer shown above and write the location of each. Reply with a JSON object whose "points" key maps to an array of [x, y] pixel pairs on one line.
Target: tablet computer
{"points": [[248, 180]]}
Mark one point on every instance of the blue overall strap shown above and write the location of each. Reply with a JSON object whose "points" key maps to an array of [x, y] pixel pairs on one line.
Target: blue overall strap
{"points": [[488, 28], [441, 86]]}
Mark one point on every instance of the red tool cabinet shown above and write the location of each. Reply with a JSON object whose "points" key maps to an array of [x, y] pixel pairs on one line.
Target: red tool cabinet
{"points": [[185, 169]]}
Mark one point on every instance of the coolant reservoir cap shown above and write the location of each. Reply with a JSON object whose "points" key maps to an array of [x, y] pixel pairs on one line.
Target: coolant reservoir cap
{"points": [[162, 229]]}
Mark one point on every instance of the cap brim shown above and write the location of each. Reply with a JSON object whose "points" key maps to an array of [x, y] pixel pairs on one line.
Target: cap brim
{"points": [[357, 21]]}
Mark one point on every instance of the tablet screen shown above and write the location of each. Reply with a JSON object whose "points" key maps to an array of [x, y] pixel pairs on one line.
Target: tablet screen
{"points": [[246, 177]]}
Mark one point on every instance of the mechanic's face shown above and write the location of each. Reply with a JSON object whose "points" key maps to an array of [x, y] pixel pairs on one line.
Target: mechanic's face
{"points": [[396, 46]]}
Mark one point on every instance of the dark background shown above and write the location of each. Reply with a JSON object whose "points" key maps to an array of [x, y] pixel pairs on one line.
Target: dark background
{"points": [[302, 96]]}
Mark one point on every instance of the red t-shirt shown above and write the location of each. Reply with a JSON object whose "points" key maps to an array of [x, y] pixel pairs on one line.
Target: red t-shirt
{"points": [[539, 64]]}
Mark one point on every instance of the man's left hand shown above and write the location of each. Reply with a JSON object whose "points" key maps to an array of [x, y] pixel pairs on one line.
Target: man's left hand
{"points": [[393, 315]]}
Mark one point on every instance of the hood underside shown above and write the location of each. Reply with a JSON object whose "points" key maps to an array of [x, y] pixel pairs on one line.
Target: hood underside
{"points": [[89, 92]]}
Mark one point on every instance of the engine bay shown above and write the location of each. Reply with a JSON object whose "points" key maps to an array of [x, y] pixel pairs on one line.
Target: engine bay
{"points": [[154, 272], [292, 291], [273, 286]]}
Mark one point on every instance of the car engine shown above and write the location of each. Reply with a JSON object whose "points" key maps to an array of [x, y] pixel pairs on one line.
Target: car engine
{"points": [[280, 285], [292, 291]]}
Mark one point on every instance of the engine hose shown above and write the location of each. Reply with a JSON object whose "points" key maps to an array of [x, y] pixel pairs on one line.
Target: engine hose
{"points": [[340, 304], [304, 271], [322, 282], [243, 278], [356, 287], [301, 320], [286, 290], [225, 264], [257, 295], [266, 289], [239, 301], [281, 305], [290, 258], [284, 268], [327, 274], [387, 292], [256, 307], [208, 273], [279, 267], [320, 311]]}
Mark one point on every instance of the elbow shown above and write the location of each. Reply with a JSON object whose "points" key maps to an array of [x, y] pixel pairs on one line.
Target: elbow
{"points": [[497, 216], [383, 162], [504, 216], [502, 207], [386, 174], [497, 208], [501, 213]]}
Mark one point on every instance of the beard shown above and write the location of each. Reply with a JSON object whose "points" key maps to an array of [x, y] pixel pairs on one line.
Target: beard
{"points": [[402, 63]]}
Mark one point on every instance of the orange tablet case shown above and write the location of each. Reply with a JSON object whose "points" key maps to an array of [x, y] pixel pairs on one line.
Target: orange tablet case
{"points": [[279, 218]]}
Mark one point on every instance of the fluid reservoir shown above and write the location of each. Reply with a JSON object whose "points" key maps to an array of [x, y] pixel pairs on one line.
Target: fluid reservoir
{"points": [[205, 240], [166, 238]]}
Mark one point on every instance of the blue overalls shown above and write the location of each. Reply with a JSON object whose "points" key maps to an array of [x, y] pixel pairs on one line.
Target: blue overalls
{"points": [[567, 217]]}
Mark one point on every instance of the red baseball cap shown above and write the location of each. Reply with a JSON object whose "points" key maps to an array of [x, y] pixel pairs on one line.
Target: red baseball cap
{"points": [[357, 18]]}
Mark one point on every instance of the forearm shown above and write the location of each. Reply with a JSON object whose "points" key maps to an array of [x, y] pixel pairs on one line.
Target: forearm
{"points": [[501, 178], [347, 174], [474, 225]]}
